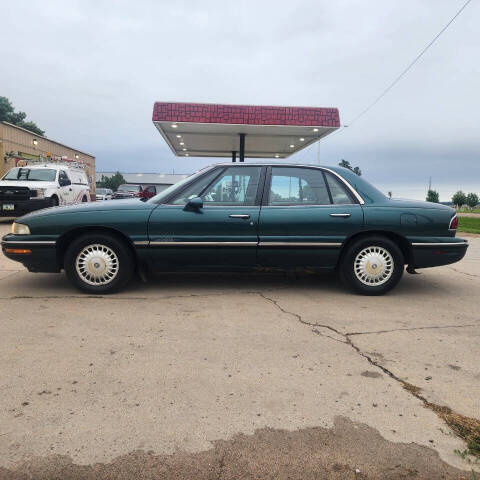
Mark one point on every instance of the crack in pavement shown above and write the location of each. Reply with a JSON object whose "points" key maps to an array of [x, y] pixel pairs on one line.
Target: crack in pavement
{"points": [[464, 273], [443, 412], [413, 329], [110, 297]]}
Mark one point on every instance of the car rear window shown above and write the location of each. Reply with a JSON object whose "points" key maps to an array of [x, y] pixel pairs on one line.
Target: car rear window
{"points": [[129, 188]]}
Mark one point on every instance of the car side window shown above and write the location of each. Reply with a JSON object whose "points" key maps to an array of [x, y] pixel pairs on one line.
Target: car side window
{"points": [[236, 186], [62, 176], [195, 189], [339, 192], [298, 186]]}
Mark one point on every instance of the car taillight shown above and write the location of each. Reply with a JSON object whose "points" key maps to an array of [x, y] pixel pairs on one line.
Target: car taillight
{"points": [[453, 223]]}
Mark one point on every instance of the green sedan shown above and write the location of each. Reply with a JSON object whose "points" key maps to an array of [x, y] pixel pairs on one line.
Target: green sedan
{"points": [[242, 217]]}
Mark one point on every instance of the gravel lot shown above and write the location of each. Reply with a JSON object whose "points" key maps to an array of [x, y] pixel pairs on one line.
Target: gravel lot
{"points": [[209, 376]]}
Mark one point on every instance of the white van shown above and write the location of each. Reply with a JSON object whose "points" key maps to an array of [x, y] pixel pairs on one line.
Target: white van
{"points": [[32, 187]]}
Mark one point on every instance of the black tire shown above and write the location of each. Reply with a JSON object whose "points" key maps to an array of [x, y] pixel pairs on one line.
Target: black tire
{"points": [[84, 199], [115, 257], [54, 201], [361, 275]]}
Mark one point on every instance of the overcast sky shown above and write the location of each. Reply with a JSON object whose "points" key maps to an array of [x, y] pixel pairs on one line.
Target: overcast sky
{"points": [[88, 72]]}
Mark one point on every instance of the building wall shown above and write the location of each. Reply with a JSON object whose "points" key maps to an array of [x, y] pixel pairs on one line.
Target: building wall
{"points": [[16, 139]]}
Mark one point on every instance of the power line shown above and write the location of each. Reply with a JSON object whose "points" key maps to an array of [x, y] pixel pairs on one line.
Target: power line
{"points": [[402, 74]]}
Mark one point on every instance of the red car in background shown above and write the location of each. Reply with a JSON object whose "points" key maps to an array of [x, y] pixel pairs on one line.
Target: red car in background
{"points": [[131, 191]]}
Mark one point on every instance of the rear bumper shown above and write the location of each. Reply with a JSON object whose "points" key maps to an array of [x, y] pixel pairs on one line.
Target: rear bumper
{"points": [[43, 256], [22, 207], [434, 254]]}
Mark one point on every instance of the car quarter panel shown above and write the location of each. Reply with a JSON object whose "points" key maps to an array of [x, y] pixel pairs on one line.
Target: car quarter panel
{"points": [[48, 227], [409, 218], [132, 223]]}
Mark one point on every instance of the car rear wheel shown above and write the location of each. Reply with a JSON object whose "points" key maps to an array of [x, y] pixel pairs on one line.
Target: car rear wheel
{"points": [[84, 199], [372, 265], [99, 263]]}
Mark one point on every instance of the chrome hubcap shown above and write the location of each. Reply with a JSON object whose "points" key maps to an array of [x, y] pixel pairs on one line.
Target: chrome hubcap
{"points": [[373, 266], [97, 264]]}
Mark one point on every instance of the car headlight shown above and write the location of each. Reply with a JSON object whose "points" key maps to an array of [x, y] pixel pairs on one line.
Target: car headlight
{"points": [[20, 229], [40, 193]]}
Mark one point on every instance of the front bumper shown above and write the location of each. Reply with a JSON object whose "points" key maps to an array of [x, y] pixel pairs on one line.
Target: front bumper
{"points": [[43, 256], [435, 254], [21, 207]]}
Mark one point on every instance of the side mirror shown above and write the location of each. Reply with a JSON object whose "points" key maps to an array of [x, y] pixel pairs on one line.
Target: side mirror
{"points": [[64, 183], [194, 204]]}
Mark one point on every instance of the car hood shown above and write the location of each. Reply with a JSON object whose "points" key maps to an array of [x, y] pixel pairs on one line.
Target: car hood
{"points": [[400, 202], [136, 204], [30, 184]]}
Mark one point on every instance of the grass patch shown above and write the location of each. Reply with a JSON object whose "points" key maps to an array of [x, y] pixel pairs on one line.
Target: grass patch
{"points": [[469, 225], [465, 427]]}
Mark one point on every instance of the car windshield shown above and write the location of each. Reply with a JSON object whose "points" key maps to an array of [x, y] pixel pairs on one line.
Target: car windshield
{"points": [[129, 188], [31, 174], [172, 188]]}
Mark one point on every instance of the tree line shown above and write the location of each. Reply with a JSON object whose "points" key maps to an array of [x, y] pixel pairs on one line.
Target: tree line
{"points": [[8, 114], [459, 199]]}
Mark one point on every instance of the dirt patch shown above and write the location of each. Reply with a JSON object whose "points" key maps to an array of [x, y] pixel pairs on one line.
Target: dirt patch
{"points": [[465, 427], [368, 374], [346, 451]]}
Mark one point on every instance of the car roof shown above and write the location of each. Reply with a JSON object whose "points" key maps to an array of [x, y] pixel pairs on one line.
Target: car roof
{"points": [[268, 164]]}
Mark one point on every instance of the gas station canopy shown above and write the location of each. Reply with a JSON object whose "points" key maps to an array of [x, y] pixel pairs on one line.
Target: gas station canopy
{"points": [[208, 130]]}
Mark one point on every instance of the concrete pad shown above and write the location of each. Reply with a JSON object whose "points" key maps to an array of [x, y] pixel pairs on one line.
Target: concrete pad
{"points": [[185, 360], [443, 362]]}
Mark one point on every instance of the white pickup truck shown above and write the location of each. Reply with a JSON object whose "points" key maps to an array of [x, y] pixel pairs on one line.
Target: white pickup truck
{"points": [[29, 188]]}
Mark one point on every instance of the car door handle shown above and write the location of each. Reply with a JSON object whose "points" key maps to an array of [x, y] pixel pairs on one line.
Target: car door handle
{"points": [[245, 216], [342, 215]]}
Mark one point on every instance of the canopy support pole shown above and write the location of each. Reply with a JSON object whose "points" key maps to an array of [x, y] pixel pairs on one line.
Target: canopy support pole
{"points": [[242, 147], [234, 156]]}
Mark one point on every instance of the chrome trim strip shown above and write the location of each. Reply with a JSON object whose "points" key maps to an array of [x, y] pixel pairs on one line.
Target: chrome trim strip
{"points": [[29, 242], [202, 244], [341, 215], [440, 244], [300, 244], [311, 205], [450, 224], [141, 243], [245, 244]]}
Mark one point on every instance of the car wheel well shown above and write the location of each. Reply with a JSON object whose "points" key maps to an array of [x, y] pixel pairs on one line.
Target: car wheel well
{"points": [[399, 240], [64, 241]]}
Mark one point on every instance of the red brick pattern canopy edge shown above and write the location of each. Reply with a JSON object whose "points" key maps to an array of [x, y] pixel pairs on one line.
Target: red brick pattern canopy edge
{"points": [[245, 114]]}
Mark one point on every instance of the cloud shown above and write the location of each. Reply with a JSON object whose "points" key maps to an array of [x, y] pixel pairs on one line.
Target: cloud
{"points": [[88, 72]]}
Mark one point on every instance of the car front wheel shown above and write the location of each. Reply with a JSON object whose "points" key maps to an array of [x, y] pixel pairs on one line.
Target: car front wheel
{"points": [[372, 265], [99, 263]]}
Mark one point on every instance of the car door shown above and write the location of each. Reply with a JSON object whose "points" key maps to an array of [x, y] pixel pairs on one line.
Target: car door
{"points": [[223, 233], [65, 190], [306, 215]]}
